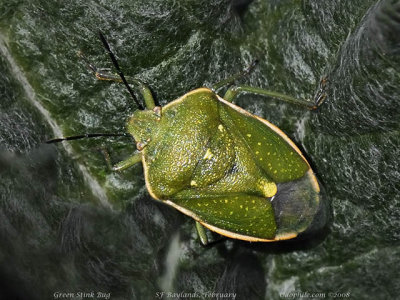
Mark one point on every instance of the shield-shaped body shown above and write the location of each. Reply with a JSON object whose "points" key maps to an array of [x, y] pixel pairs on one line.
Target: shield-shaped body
{"points": [[235, 173]]}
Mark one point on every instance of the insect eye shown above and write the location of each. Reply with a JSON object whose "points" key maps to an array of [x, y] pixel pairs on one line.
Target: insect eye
{"points": [[157, 111]]}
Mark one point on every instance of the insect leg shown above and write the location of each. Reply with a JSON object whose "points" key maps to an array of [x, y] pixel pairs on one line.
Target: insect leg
{"points": [[201, 232], [127, 163], [321, 94], [232, 92], [103, 74]]}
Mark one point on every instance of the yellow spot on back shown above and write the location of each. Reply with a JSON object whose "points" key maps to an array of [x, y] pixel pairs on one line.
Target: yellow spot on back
{"points": [[268, 188], [249, 135], [208, 154], [193, 183], [259, 144], [220, 127]]}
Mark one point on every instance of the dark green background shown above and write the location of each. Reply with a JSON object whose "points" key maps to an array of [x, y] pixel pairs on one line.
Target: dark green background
{"points": [[55, 234]]}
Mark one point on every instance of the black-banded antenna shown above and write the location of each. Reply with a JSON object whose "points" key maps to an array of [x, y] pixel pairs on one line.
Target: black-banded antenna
{"points": [[114, 60], [86, 135]]}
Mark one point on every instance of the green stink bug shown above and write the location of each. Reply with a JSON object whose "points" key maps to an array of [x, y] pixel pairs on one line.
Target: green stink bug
{"points": [[232, 172]]}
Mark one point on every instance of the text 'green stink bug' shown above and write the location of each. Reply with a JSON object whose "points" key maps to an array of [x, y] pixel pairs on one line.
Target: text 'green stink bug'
{"points": [[232, 172]]}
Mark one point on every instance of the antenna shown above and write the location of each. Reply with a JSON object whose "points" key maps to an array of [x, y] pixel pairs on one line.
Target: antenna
{"points": [[86, 135], [114, 60]]}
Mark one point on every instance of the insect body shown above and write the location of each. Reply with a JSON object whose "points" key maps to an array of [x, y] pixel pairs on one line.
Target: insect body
{"points": [[231, 171]]}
